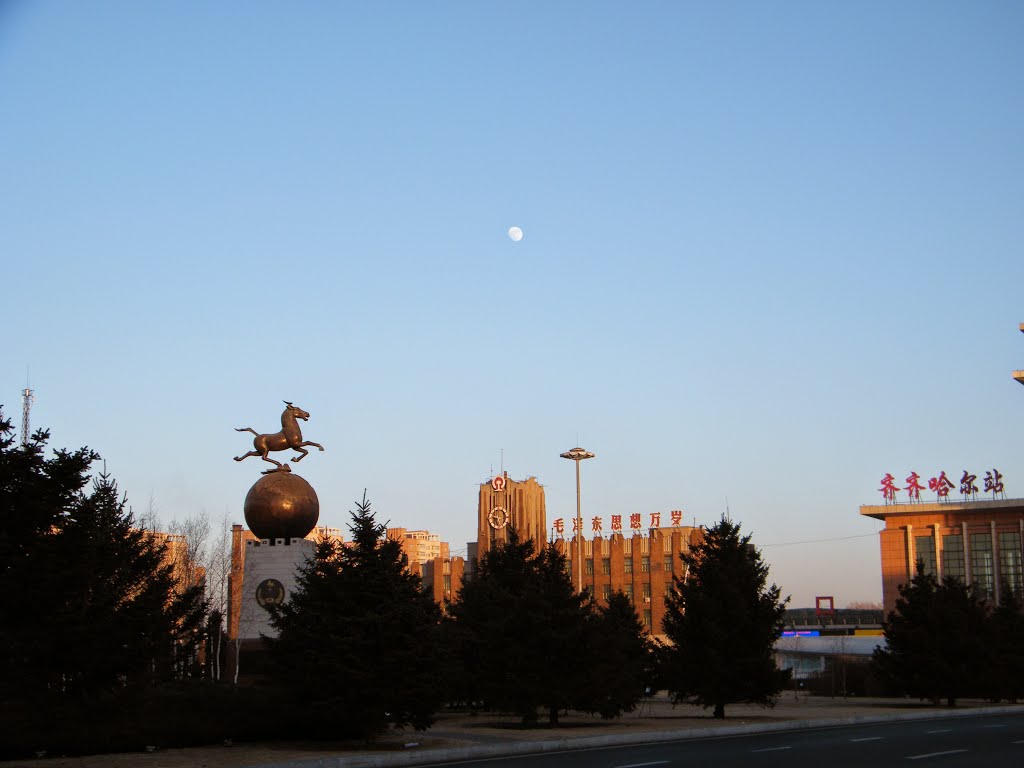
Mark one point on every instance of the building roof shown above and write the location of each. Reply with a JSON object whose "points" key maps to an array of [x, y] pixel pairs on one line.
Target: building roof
{"points": [[884, 511], [831, 645]]}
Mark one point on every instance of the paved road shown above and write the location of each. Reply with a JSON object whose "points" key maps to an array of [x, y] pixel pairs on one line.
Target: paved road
{"points": [[992, 741]]}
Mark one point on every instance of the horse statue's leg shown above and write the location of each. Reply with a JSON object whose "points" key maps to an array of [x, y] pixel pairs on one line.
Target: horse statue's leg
{"points": [[272, 461], [304, 452], [246, 456]]}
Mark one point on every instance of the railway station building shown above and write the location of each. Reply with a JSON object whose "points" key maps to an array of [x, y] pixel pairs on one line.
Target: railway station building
{"points": [[978, 542]]}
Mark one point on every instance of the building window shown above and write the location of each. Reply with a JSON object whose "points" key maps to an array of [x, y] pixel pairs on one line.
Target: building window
{"points": [[447, 584], [981, 564], [645, 564], [953, 557], [647, 618], [647, 590], [606, 565], [924, 551], [628, 589], [590, 566], [629, 565], [1010, 562], [668, 563], [606, 591]]}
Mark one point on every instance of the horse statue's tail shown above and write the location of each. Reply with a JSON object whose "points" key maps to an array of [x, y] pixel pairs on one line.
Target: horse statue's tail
{"points": [[247, 429]]}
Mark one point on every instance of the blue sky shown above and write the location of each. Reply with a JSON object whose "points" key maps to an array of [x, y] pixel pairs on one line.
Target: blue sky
{"points": [[771, 252]]}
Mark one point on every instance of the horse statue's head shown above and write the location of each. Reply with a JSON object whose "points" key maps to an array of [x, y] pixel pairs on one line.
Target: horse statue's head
{"points": [[297, 412]]}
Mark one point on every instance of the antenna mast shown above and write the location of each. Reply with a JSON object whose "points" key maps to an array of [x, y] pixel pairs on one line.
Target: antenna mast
{"points": [[27, 397]]}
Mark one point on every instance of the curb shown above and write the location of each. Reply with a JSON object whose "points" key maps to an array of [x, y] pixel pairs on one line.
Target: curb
{"points": [[514, 748]]}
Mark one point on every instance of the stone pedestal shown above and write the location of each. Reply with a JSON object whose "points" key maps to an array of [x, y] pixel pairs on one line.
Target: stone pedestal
{"points": [[270, 575]]}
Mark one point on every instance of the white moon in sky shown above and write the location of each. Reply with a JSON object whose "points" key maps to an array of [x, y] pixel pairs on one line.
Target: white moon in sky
{"points": [[515, 233]]}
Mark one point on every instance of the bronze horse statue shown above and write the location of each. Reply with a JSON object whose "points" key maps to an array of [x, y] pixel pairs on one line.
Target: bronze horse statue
{"points": [[290, 436]]}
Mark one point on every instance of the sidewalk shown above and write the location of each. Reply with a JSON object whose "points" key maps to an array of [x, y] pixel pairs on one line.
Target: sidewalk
{"points": [[461, 736]]}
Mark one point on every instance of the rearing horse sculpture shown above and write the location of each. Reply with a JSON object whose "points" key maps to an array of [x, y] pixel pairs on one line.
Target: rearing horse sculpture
{"points": [[290, 436]]}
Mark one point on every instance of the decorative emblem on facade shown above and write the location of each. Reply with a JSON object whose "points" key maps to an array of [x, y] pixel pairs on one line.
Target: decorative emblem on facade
{"points": [[498, 483], [498, 517], [290, 436], [270, 592]]}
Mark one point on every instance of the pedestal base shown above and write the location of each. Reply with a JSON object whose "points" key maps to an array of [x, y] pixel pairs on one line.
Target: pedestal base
{"points": [[269, 577]]}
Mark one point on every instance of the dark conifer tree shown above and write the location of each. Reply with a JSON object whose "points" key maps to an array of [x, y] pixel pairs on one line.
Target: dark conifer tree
{"points": [[565, 651], [723, 620], [519, 631], [35, 495], [1006, 663], [936, 639], [95, 600], [120, 586], [622, 657], [357, 644]]}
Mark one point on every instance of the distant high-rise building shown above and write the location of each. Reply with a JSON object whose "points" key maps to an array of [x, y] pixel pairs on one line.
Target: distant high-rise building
{"points": [[420, 547]]}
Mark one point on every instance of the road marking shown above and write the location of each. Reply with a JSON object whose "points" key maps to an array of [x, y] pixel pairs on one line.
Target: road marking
{"points": [[995, 725], [770, 749], [935, 754], [940, 730], [639, 765], [868, 738], [1018, 742]]}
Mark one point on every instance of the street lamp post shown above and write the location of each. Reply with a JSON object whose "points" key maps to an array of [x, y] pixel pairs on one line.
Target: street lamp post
{"points": [[578, 455], [1018, 375]]}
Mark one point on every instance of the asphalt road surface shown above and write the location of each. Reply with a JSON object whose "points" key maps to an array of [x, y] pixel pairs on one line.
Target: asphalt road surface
{"points": [[992, 741]]}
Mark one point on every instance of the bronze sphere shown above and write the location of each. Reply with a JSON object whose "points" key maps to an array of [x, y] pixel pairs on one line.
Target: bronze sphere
{"points": [[281, 505]]}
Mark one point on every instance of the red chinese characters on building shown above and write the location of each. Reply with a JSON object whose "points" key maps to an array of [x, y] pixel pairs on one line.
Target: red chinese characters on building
{"points": [[677, 516], [559, 526], [967, 486], [914, 488], [575, 525], [941, 485], [993, 482], [595, 524], [617, 523], [889, 489], [634, 521], [655, 519]]}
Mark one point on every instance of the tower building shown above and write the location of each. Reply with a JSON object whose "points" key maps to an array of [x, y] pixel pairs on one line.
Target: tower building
{"points": [[504, 503]]}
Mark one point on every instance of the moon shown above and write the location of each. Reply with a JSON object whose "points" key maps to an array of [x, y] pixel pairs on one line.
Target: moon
{"points": [[515, 234]]}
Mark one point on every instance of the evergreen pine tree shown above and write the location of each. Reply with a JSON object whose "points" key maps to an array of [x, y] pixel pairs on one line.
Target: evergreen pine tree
{"points": [[520, 632], [35, 494], [723, 620], [357, 644], [936, 639], [622, 657], [95, 601], [1006, 666]]}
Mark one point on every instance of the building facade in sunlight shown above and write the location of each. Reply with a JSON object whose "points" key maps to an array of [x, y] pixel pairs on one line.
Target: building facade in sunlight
{"points": [[638, 554], [978, 542]]}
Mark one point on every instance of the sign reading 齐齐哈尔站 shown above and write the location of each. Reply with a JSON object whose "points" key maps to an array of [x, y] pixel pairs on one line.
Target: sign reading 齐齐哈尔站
{"points": [[941, 486]]}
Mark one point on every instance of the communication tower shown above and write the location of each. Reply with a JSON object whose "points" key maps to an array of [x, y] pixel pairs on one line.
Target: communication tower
{"points": [[27, 396]]}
